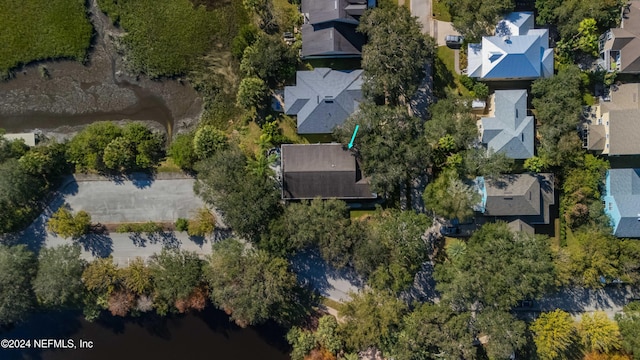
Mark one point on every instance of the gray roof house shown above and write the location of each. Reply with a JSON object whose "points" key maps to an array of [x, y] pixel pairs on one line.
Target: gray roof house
{"points": [[322, 170], [508, 129], [323, 98], [622, 201], [525, 197], [614, 126], [516, 51], [329, 29], [620, 47]]}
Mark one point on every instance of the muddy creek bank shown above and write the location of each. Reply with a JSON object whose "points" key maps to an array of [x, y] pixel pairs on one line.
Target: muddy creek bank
{"points": [[73, 95]]}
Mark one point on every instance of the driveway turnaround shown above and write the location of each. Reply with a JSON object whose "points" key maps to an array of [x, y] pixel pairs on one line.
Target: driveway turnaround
{"points": [[138, 198]]}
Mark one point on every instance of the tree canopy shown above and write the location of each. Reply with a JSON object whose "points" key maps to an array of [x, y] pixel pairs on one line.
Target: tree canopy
{"points": [[568, 14], [64, 223], [520, 268], [477, 18], [554, 335], [248, 202], [389, 144], [450, 198], [58, 282], [432, 330], [176, 275], [558, 104], [395, 55], [249, 284], [629, 323], [17, 270], [371, 319]]}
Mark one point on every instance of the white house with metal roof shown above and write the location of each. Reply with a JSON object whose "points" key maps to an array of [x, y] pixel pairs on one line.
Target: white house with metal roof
{"points": [[323, 99], [517, 51]]}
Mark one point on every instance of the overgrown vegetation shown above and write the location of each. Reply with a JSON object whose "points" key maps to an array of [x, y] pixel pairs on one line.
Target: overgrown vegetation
{"points": [[167, 38], [41, 30]]}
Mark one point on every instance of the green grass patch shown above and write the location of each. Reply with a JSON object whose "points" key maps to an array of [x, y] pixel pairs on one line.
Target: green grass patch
{"points": [[317, 138], [335, 64], [42, 29], [446, 75], [331, 303], [588, 99], [441, 10], [354, 214], [166, 37], [168, 166]]}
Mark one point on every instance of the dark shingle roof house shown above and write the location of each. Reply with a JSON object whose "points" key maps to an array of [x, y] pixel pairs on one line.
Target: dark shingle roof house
{"points": [[620, 47], [322, 170], [527, 197], [329, 29], [622, 201], [614, 127], [509, 129], [516, 51], [323, 98]]}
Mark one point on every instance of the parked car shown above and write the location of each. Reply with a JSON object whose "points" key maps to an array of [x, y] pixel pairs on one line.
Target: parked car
{"points": [[454, 41]]}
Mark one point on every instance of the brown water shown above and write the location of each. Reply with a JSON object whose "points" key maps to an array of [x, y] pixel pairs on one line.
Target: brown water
{"points": [[208, 335], [148, 106]]}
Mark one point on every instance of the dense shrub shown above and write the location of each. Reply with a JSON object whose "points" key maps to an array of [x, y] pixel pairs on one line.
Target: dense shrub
{"points": [[42, 29]]}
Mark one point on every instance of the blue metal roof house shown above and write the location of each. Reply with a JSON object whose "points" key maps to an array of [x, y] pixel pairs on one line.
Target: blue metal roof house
{"points": [[509, 130], [517, 51], [323, 98], [622, 201]]}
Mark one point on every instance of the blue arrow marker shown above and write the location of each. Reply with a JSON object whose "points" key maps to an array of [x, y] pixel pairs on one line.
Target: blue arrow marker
{"points": [[354, 136]]}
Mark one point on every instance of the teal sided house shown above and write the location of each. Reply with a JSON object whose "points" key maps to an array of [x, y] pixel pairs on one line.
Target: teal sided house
{"points": [[517, 197], [622, 201]]}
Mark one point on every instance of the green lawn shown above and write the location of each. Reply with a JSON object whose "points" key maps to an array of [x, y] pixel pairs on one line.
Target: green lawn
{"points": [[336, 64], [446, 75], [354, 214], [166, 37], [42, 29], [441, 10]]}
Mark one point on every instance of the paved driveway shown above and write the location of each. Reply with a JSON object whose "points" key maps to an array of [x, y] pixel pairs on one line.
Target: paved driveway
{"points": [[330, 283], [136, 199]]}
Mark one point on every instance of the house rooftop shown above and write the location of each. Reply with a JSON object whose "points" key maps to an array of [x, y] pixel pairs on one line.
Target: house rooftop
{"points": [[323, 98], [517, 51], [623, 122], [324, 171], [329, 29], [622, 201], [624, 41], [527, 197], [28, 138], [510, 130]]}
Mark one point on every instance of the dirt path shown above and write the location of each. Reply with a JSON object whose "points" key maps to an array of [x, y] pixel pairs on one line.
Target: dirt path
{"points": [[74, 94]]}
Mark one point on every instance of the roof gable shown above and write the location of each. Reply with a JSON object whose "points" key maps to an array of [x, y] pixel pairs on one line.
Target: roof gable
{"points": [[516, 51], [518, 196], [322, 170], [623, 201], [511, 130], [323, 98]]}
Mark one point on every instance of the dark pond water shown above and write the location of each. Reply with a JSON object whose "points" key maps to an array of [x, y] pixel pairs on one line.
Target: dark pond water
{"points": [[207, 335]]}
